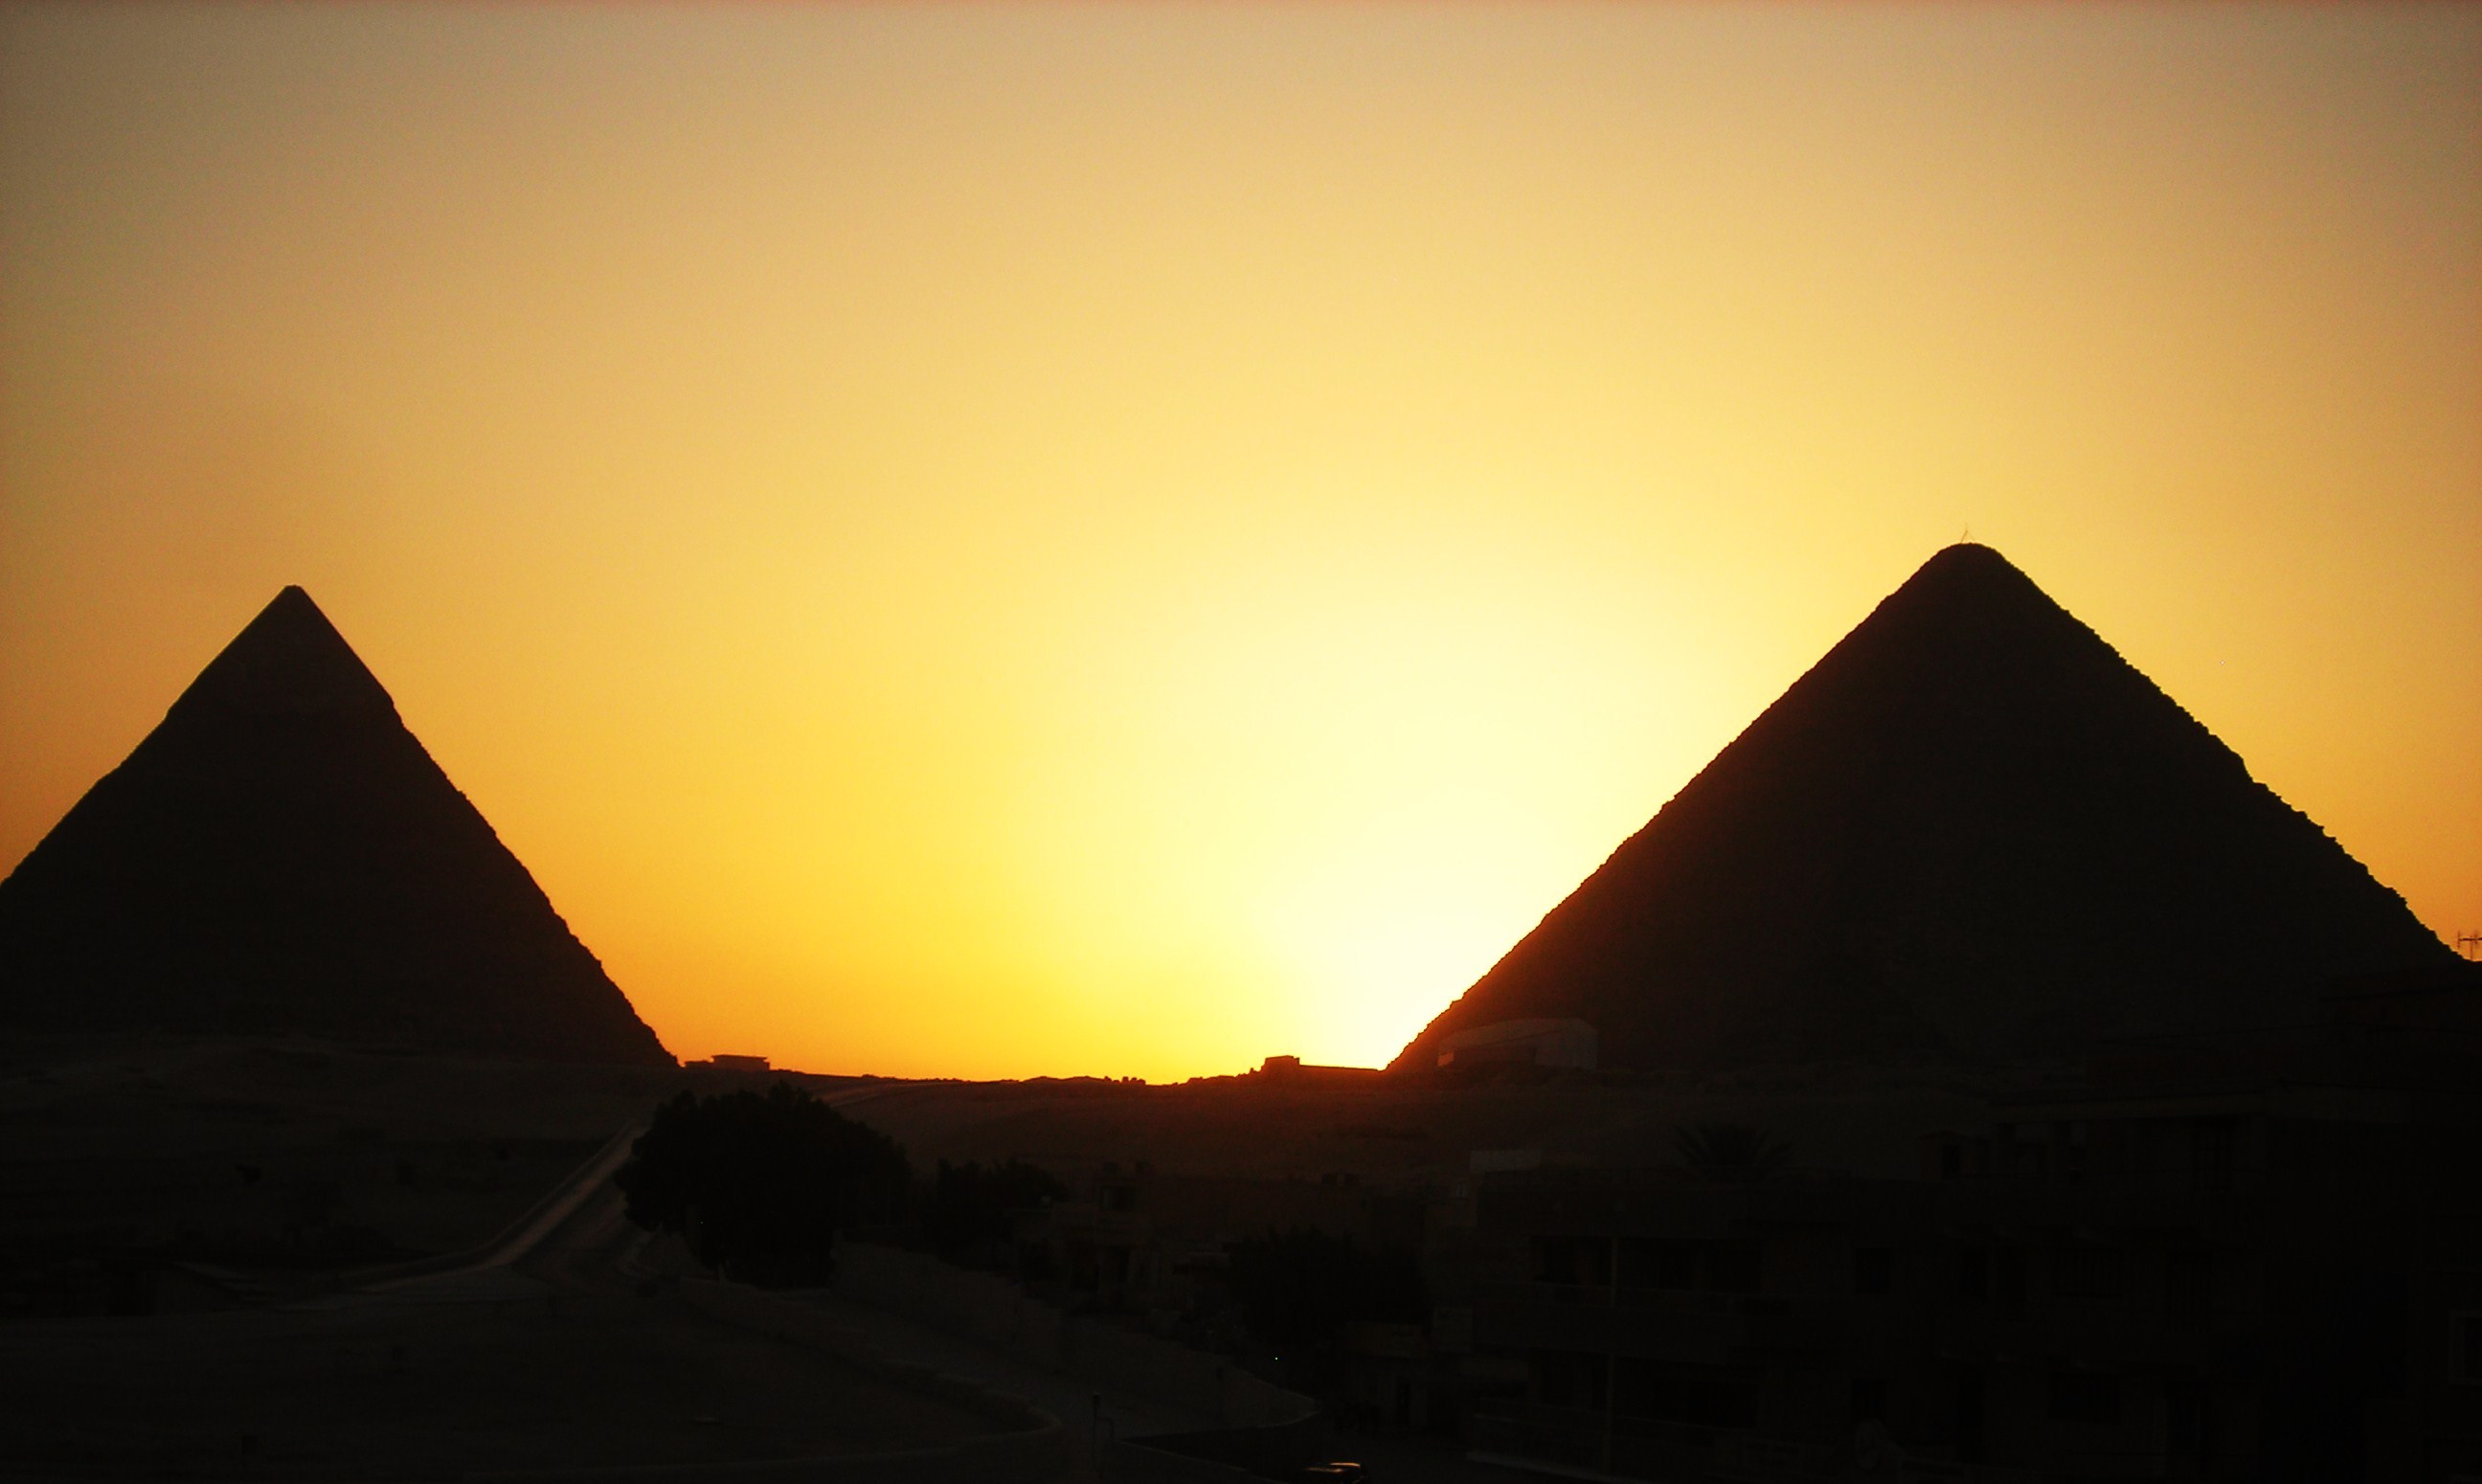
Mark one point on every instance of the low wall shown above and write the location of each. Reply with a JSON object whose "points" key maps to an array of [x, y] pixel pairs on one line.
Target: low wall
{"points": [[996, 1313]]}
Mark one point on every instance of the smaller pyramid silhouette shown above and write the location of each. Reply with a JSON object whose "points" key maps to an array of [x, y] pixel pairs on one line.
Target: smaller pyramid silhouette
{"points": [[280, 856], [1971, 834]]}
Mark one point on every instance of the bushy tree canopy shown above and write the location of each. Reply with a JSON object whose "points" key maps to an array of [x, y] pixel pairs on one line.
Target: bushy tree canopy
{"points": [[760, 1185]]}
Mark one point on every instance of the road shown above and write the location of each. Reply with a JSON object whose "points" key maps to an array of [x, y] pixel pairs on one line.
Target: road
{"points": [[579, 1240]]}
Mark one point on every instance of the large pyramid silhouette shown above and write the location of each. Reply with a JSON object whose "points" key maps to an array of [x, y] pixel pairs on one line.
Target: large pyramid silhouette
{"points": [[1971, 834], [280, 854]]}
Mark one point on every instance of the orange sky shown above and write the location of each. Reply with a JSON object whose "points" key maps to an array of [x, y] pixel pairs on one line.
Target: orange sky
{"points": [[1002, 541]]}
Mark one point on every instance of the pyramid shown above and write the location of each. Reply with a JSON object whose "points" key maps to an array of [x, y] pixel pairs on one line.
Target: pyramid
{"points": [[281, 855], [1971, 834]]}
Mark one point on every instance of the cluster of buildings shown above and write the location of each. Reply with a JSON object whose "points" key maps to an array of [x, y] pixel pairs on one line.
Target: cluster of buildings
{"points": [[2252, 1256], [2255, 1283]]}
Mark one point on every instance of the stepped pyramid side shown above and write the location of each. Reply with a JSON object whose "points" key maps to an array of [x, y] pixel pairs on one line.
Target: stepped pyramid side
{"points": [[280, 854], [1971, 833]]}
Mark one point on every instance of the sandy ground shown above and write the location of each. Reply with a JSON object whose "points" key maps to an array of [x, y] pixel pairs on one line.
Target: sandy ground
{"points": [[1390, 1459]]}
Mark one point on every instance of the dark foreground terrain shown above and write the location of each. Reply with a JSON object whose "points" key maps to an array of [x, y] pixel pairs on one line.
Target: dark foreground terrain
{"points": [[434, 1388], [286, 1259], [2240, 1257]]}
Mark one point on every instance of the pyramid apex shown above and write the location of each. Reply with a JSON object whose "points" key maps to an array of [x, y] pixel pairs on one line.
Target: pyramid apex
{"points": [[1966, 581], [289, 657], [1967, 549], [1968, 556], [294, 600]]}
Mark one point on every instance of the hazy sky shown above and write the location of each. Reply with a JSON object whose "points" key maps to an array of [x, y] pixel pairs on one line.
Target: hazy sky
{"points": [[997, 541]]}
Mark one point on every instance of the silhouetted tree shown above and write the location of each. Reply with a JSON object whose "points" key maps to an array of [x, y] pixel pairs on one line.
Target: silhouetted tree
{"points": [[760, 1185], [966, 1216], [1727, 1153]]}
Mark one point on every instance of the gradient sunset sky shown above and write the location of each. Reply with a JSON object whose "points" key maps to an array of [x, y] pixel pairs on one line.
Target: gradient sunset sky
{"points": [[995, 540]]}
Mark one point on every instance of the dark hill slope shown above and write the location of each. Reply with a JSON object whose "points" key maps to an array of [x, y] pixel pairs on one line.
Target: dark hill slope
{"points": [[280, 854], [1972, 833]]}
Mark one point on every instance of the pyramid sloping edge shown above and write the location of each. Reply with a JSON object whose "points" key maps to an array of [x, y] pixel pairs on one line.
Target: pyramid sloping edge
{"points": [[1971, 832], [280, 854]]}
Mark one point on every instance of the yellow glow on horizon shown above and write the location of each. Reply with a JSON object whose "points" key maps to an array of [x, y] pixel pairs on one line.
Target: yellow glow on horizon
{"points": [[1020, 539]]}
